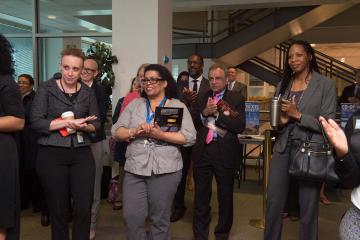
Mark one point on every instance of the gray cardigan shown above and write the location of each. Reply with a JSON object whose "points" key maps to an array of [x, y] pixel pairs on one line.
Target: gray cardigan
{"points": [[319, 99], [50, 102]]}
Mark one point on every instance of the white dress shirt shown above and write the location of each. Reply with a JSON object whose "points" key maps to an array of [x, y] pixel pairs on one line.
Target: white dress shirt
{"points": [[191, 83]]}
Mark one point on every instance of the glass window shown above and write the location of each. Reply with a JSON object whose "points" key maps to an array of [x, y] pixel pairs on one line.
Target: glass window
{"points": [[69, 16], [23, 55], [16, 16]]}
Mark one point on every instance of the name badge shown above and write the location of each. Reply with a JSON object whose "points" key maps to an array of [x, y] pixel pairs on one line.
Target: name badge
{"points": [[80, 137]]}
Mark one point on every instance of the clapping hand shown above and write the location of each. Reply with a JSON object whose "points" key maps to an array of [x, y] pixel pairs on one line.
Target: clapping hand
{"points": [[80, 123], [190, 96], [211, 108]]}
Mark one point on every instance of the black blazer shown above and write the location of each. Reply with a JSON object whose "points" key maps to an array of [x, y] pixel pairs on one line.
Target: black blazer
{"points": [[102, 103], [230, 149], [346, 93], [195, 108]]}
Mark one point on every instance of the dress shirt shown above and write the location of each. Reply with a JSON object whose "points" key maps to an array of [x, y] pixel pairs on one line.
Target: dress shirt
{"points": [[191, 83]]}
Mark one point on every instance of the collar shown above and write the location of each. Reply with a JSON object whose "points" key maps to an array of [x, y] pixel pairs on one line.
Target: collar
{"points": [[220, 94], [27, 93], [199, 78]]}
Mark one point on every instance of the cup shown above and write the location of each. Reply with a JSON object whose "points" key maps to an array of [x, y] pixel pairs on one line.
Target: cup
{"points": [[275, 111], [69, 115]]}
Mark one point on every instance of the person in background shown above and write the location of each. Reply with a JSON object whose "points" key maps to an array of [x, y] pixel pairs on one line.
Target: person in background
{"points": [[347, 146], [351, 94], [305, 95], [65, 113], [216, 153], [29, 185], [11, 121], [181, 82], [89, 75], [189, 94], [234, 85], [120, 148], [153, 159]]}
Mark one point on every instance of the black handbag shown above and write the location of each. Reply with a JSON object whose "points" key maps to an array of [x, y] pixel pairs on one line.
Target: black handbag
{"points": [[313, 160]]}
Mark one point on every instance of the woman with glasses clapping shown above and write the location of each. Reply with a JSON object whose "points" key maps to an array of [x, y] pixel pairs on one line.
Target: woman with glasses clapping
{"points": [[153, 159]]}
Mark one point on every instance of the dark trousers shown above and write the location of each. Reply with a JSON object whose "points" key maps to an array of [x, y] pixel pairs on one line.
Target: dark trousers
{"points": [[65, 173], [179, 199], [278, 188], [209, 165]]}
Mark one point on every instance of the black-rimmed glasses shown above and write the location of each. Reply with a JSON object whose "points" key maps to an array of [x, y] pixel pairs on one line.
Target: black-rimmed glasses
{"points": [[88, 70], [147, 81]]}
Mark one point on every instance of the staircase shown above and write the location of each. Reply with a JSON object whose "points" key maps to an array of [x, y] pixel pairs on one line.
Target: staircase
{"points": [[271, 72]]}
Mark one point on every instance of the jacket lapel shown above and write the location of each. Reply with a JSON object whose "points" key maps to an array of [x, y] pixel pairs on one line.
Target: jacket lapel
{"points": [[309, 91]]}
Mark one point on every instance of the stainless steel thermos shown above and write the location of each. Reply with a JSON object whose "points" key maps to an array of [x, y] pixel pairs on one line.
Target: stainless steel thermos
{"points": [[275, 111]]}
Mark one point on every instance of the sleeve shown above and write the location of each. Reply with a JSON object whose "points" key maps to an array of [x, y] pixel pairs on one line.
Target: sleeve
{"points": [[39, 111], [94, 111], [116, 113], [327, 109], [124, 118], [10, 99], [237, 124], [187, 127]]}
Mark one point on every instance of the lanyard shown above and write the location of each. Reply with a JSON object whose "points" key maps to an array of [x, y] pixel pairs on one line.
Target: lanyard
{"points": [[150, 116]]}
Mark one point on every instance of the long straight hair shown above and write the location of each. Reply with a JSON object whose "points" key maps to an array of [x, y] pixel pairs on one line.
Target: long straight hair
{"points": [[288, 73]]}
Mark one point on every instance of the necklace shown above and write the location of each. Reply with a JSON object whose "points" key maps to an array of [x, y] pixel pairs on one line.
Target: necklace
{"points": [[63, 89], [302, 93]]}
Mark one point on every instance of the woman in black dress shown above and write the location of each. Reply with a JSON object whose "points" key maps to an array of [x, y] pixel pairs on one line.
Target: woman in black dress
{"points": [[11, 120]]}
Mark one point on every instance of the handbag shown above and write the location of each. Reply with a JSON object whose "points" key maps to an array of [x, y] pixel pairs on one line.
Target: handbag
{"points": [[313, 160]]}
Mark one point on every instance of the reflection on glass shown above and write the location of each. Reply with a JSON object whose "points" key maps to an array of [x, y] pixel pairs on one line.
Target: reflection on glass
{"points": [[23, 55], [12, 20], [75, 16]]}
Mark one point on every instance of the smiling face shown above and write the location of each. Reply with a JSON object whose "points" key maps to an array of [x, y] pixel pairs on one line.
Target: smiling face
{"points": [[153, 85], [89, 71], [195, 66], [24, 85], [71, 67], [298, 59], [231, 74]]}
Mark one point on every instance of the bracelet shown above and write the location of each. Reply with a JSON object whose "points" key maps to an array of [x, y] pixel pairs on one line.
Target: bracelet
{"points": [[131, 135]]}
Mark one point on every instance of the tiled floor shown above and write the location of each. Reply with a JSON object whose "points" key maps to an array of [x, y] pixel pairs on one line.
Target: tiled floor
{"points": [[248, 205]]}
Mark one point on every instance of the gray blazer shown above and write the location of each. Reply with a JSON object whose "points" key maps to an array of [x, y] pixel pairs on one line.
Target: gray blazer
{"points": [[50, 102], [319, 99], [240, 87]]}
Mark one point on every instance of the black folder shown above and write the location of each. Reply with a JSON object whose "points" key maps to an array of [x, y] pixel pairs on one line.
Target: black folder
{"points": [[169, 118]]}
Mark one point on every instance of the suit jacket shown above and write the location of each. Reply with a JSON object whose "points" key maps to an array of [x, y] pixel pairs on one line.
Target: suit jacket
{"points": [[240, 87], [230, 149], [102, 103], [195, 108], [346, 93], [319, 99]]}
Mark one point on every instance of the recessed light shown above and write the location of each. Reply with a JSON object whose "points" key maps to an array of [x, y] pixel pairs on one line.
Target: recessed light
{"points": [[342, 60], [313, 44], [92, 29], [51, 17]]}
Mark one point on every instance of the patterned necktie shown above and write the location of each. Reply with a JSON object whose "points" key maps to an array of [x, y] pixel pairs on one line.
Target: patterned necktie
{"points": [[210, 134], [195, 86]]}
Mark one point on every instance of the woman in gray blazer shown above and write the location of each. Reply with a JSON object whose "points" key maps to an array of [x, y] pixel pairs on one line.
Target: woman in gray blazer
{"points": [[65, 163], [306, 95]]}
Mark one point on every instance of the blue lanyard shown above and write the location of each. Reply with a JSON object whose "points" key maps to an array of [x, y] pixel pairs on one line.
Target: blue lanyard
{"points": [[150, 116]]}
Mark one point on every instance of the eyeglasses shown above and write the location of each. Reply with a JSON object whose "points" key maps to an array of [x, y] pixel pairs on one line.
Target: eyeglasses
{"points": [[88, 70], [150, 81]]}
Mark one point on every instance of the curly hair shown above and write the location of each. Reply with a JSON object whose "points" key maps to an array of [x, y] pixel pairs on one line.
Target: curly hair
{"points": [[6, 57], [288, 73], [171, 89]]}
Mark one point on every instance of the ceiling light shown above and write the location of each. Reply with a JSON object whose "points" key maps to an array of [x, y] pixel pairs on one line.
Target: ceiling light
{"points": [[342, 60], [51, 17], [313, 44], [92, 29]]}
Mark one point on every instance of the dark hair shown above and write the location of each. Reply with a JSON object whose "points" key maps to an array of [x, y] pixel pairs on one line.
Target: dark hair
{"points": [[171, 89], [28, 77], [183, 73], [288, 73], [199, 56], [6, 58], [76, 52], [132, 82]]}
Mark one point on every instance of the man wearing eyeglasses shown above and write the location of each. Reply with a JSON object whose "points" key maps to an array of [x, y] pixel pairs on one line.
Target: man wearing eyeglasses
{"points": [[88, 76], [216, 154], [189, 94]]}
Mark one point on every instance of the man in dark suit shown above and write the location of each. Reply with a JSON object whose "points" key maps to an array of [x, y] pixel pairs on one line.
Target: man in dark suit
{"points": [[88, 76], [351, 94], [234, 85], [195, 89], [216, 153]]}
